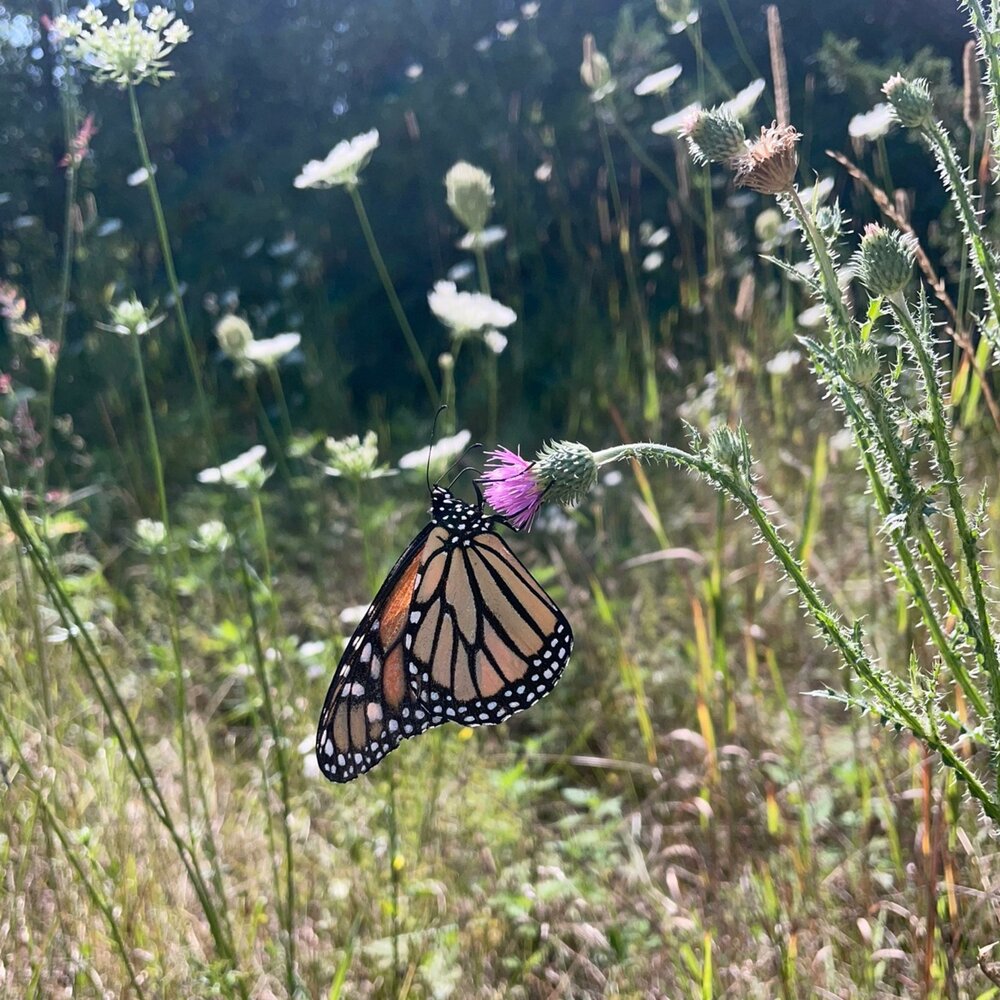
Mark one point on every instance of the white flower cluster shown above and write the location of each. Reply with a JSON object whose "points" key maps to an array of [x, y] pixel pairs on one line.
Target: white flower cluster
{"points": [[354, 458], [237, 342], [341, 165], [124, 52], [245, 472], [466, 313]]}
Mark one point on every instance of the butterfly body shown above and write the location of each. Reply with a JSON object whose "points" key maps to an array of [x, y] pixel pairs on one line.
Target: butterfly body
{"points": [[458, 632]]}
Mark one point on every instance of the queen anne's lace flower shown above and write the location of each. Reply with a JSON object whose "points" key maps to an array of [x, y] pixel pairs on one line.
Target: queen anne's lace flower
{"points": [[467, 312], [246, 471], [124, 52], [342, 164], [269, 351]]}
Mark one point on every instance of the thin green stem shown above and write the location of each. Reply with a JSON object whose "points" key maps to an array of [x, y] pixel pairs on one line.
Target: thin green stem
{"points": [[280, 747], [153, 445], [651, 405], [492, 373], [273, 444], [168, 264], [383, 272]]}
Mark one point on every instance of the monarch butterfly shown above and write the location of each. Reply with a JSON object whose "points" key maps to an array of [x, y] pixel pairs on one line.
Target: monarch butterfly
{"points": [[459, 632]]}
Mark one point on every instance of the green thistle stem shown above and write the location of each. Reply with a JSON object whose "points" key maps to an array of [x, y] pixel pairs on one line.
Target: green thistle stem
{"points": [[845, 642]]}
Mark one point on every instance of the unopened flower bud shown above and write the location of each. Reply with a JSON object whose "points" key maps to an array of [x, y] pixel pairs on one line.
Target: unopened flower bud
{"points": [[234, 336], [470, 195], [911, 100], [885, 260], [862, 364], [730, 449], [567, 471], [714, 136]]}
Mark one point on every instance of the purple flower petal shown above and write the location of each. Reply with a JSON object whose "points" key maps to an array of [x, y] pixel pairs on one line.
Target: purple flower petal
{"points": [[511, 487]]}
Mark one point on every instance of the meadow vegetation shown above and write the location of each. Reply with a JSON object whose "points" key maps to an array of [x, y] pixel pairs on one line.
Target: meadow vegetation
{"points": [[770, 511]]}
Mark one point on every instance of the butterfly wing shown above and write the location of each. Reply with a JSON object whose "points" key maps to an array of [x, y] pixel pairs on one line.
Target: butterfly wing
{"points": [[459, 632], [370, 707], [487, 640]]}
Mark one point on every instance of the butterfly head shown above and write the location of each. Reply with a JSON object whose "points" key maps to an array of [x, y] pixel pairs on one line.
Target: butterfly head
{"points": [[454, 515]]}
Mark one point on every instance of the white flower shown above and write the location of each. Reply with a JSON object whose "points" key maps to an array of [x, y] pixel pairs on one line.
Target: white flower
{"points": [[211, 536], [467, 312], [138, 177], [246, 471], [495, 341], [530, 10], [818, 193], [130, 317], [462, 270], [414, 71], [486, 238], [543, 172], [872, 124], [353, 614], [812, 317], [342, 164], [122, 52], [270, 351], [658, 83], [783, 362], [506, 28], [441, 452], [150, 535], [652, 261], [743, 103], [672, 123], [353, 457]]}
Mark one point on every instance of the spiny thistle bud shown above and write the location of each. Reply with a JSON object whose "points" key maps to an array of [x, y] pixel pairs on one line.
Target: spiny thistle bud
{"points": [[595, 70], [910, 100], [972, 87], [470, 195], [885, 260], [768, 165], [861, 364], [714, 136], [567, 469], [234, 336], [730, 449]]}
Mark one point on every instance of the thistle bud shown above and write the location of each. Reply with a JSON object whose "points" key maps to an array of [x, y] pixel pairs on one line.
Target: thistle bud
{"points": [[911, 100], [862, 364], [595, 70], [885, 260], [730, 449], [470, 195], [567, 470], [234, 336], [714, 136], [768, 165]]}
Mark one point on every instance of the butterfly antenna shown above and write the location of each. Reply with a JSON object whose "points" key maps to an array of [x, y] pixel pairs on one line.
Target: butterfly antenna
{"points": [[430, 447]]}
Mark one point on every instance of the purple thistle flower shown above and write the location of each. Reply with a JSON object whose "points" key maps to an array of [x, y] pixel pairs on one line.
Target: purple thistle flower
{"points": [[512, 488]]}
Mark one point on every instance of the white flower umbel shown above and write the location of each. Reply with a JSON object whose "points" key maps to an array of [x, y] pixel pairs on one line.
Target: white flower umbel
{"points": [[342, 164], [483, 240], [442, 452], [246, 471], [354, 458], [675, 122], [124, 52], [495, 341], [130, 317], [872, 125], [467, 312], [268, 352], [743, 103], [658, 83]]}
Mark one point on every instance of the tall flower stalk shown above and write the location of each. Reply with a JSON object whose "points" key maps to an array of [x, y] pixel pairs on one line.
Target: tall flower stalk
{"points": [[341, 168]]}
